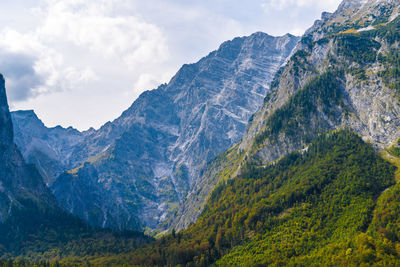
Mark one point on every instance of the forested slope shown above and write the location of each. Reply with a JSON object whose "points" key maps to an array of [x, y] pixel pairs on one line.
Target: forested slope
{"points": [[323, 205]]}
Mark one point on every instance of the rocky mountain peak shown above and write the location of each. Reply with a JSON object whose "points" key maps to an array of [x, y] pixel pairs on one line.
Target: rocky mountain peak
{"points": [[28, 116], [47, 148], [326, 15], [144, 162], [359, 5]]}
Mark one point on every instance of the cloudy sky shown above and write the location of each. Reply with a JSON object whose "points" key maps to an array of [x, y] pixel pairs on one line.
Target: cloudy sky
{"points": [[81, 63]]}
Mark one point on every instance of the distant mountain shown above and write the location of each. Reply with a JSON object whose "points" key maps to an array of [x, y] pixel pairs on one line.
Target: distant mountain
{"points": [[47, 148], [32, 224], [134, 171]]}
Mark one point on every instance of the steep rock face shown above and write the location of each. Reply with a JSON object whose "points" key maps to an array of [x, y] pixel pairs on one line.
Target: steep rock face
{"points": [[6, 133], [146, 160], [47, 148], [354, 50], [342, 75], [18, 181]]}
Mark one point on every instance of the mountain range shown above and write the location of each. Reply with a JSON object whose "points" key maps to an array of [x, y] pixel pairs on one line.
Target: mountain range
{"points": [[144, 162], [31, 220], [279, 151]]}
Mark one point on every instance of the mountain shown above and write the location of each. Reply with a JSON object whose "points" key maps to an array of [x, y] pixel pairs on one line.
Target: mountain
{"points": [[32, 224], [310, 183], [347, 67], [315, 179], [134, 171], [343, 74], [47, 148]]}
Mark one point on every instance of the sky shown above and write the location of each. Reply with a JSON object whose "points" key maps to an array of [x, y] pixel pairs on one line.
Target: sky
{"points": [[81, 63]]}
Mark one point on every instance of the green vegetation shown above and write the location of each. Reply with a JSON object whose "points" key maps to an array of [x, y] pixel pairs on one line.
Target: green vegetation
{"points": [[357, 48], [300, 63], [389, 32], [395, 149], [385, 12], [324, 208], [362, 48], [391, 72], [42, 233], [321, 206], [323, 91]]}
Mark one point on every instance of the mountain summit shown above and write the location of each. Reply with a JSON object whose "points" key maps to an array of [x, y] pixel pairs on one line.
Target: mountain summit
{"points": [[134, 171]]}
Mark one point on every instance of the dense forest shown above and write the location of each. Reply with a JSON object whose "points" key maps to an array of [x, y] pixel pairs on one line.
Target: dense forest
{"points": [[52, 234], [326, 204]]}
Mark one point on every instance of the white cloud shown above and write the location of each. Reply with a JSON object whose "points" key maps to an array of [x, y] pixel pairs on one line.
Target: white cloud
{"points": [[92, 24], [22, 79], [82, 46], [47, 63]]}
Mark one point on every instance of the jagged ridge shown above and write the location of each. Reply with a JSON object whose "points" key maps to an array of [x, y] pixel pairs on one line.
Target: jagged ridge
{"points": [[144, 162]]}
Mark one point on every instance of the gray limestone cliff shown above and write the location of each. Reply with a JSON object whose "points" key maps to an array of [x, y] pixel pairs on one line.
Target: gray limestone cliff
{"points": [[135, 171]]}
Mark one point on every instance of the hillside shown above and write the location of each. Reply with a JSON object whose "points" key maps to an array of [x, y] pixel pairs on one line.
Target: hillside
{"points": [[324, 205], [335, 79]]}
